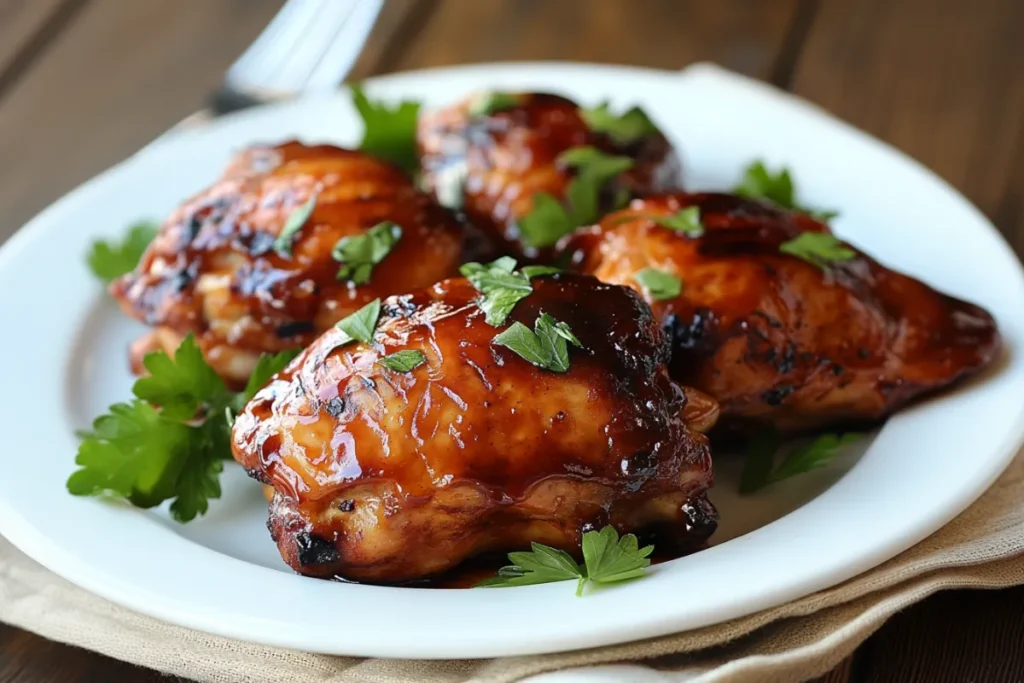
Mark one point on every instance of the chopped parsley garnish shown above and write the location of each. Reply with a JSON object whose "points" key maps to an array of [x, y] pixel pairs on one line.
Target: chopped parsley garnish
{"points": [[685, 221], [170, 441], [110, 259], [818, 248], [624, 129], [298, 218], [659, 284], [494, 101], [388, 133], [361, 325], [403, 361], [546, 345], [607, 558], [549, 220], [502, 285], [358, 254], [760, 183], [760, 471]]}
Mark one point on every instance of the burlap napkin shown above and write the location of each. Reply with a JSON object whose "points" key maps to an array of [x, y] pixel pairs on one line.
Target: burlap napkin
{"points": [[982, 548]]}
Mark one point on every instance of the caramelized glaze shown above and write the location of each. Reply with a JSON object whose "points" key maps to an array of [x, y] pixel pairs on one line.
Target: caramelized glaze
{"points": [[387, 476], [776, 339], [213, 269], [493, 165]]}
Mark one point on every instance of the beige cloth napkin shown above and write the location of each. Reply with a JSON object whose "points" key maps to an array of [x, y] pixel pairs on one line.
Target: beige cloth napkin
{"points": [[982, 548]]}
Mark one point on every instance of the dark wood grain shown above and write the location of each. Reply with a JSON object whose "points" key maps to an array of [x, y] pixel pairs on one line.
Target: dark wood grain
{"points": [[670, 34], [940, 79], [25, 658], [119, 75], [26, 26], [954, 637]]}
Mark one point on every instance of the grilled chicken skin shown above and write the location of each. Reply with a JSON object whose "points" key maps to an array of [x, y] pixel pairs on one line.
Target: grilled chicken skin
{"points": [[492, 164], [388, 476], [214, 270], [776, 339]]}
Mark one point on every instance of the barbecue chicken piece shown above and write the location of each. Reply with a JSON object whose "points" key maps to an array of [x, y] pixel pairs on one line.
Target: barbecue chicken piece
{"points": [[775, 338], [388, 476], [491, 157], [221, 268]]}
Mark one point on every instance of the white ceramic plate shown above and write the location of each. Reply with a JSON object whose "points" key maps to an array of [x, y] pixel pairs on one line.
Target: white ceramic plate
{"points": [[64, 346]]}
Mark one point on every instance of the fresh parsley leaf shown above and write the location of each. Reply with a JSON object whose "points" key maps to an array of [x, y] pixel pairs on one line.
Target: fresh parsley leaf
{"points": [[545, 346], [266, 367], [180, 386], [360, 325], [594, 168], [759, 470], [659, 284], [607, 558], [760, 183], [360, 253], [109, 260], [610, 559], [536, 271], [403, 361], [543, 564], [298, 218], [494, 101], [388, 133], [502, 286], [813, 455], [168, 443], [624, 129], [685, 221], [548, 221], [818, 248]]}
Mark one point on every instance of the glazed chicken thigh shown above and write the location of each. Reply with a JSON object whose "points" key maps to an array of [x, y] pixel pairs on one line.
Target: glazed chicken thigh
{"points": [[493, 163], [386, 476], [220, 267], [777, 339]]}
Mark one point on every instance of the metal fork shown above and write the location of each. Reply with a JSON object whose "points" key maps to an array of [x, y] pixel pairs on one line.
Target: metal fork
{"points": [[309, 46]]}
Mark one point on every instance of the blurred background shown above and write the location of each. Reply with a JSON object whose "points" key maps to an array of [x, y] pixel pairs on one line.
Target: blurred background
{"points": [[85, 83]]}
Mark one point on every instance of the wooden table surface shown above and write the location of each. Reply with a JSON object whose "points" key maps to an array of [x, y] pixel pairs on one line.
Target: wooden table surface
{"points": [[84, 83]]}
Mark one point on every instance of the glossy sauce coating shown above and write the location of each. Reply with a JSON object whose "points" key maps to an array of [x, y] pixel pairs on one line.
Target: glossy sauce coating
{"points": [[388, 476], [213, 269], [492, 165], [776, 339]]}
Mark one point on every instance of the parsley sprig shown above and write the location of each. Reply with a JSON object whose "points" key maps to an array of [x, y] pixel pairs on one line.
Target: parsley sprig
{"points": [[660, 284], [760, 183], [502, 285], [170, 441], [110, 259], [549, 220], [760, 470], [296, 219], [388, 133], [820, 249], [624, 129], [358, 254], [546, 345], [607, 558], [360, 325]]}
